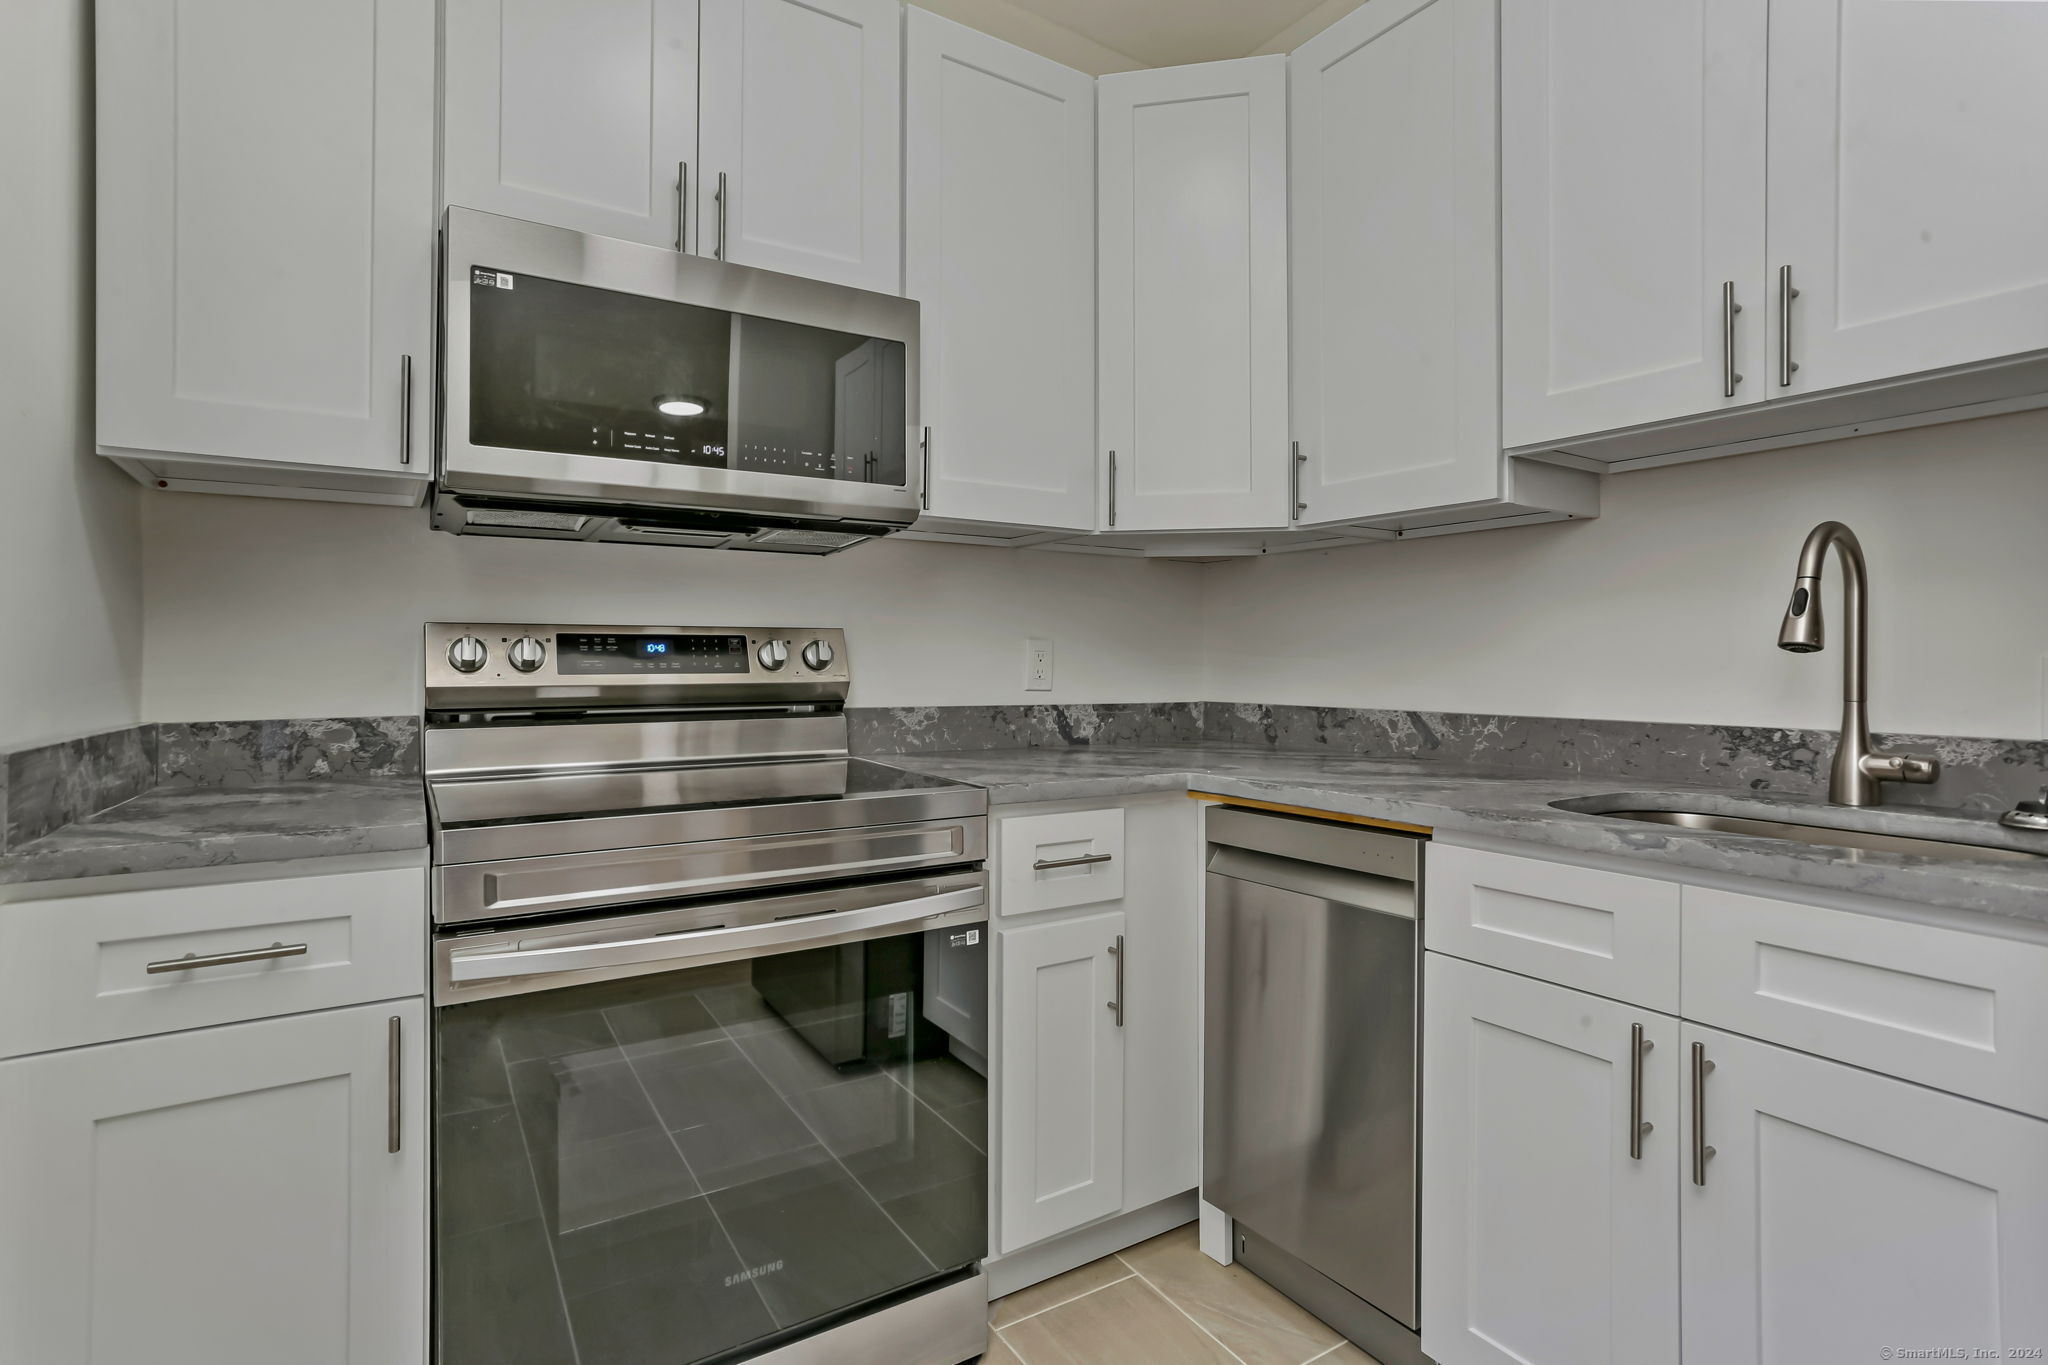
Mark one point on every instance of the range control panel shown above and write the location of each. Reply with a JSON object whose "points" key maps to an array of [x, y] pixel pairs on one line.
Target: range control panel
{"points": [[558, 662]]}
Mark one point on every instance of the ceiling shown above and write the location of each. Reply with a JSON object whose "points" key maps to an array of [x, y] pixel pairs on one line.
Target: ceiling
{"points": [[1171, 32]]}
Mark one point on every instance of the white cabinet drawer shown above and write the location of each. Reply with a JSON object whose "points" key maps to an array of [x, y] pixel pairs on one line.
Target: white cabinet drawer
{"points": [[1603, 932], [1053, 862], [1952, 1010], [76, 970]]}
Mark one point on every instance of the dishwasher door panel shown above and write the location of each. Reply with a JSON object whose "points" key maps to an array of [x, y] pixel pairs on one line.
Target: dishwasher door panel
{"points": [[1309, 1072]]}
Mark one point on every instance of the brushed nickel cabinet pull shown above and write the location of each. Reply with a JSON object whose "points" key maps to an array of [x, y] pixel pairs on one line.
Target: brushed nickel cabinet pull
{"points": [[1116, 1006], [394, 1063], [1083, 861], [1638, 1127], [1786, 293], [1295, 469], [193, 961], [1729, 308], [1701, 1152], [682, 200], [405, 409], [925, 493], [1112, 488], [720, 198]]}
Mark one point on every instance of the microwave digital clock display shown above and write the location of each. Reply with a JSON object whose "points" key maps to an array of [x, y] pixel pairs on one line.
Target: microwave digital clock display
{"points": [[652, 653]]}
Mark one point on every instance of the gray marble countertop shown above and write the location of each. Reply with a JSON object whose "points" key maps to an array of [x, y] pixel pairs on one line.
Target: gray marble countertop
{"points": [[1517, 805], [175, 827]]}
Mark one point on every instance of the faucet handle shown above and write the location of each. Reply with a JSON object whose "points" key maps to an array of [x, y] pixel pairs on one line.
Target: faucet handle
{"points": [[1901, 768]]}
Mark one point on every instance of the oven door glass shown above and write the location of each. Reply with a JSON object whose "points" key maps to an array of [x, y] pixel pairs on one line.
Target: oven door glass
{"points": [[587, 371], [678, 1166]]}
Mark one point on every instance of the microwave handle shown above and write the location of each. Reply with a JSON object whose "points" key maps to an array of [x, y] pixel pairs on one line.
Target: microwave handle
{"points": [[682, 948]]}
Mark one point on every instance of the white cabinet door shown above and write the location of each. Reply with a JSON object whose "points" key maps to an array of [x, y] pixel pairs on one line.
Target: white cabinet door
{"points": [[1545, 1242], [581, 116], [1395, 285], [1849, 1216], [1632, 203], [1193, 250], [266, 243], [1061, 1123], [801, 113], [1908, 185], [999, 248], [220, 1197]]}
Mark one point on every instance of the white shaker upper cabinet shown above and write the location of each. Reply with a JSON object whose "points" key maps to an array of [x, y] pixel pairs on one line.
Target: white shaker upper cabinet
{"points": [[999, 237], [580, 116], [800, 134], [1632, 212], [1193, 250], [1849, 1216], [266, 246], [1395, 284], [1908, 186]]}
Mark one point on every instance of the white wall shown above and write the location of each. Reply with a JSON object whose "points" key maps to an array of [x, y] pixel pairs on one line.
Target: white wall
{"points": [[265, 607], [70, 629], [1667, 606]]}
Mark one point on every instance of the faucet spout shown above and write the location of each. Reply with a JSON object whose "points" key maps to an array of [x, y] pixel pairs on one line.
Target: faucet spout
{"points": [[1859, 769]]}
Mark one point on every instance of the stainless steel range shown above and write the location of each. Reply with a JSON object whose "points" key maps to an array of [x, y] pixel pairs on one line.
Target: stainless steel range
{"points": [[709, 1009]]}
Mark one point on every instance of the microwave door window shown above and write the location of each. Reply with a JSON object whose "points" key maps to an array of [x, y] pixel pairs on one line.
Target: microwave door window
{"points": [[585, 371]]}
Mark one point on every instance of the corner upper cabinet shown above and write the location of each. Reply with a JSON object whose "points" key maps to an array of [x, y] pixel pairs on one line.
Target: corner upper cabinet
{"points": [[999, 237], [1908, 186], [1396, 284], [1192, 166], [265, 257], [578, 116], [1632, 212], [800, 138]]}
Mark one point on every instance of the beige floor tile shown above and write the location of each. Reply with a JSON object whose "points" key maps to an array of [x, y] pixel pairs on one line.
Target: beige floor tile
{"points": [[1258, 1323], [1347, 1354], [1128, 1324], [999, 1352], [1043, 1295]]}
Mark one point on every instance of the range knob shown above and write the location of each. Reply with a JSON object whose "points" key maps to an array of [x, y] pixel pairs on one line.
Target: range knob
{"points": [[773, 654], [528, 653], [467, 654], [817, 656]]}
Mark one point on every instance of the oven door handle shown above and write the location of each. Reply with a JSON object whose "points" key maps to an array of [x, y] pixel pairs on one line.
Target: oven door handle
{"points": [[681, 948]]}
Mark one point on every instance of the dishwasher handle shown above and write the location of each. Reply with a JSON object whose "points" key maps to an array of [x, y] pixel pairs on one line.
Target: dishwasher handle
{"points": [[1360, 890]]}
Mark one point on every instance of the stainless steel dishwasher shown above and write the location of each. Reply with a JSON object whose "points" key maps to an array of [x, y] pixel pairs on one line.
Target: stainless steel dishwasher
{"points": [[1311, 1049]]}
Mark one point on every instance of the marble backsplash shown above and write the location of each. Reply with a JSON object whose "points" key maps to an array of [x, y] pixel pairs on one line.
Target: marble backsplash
{"points": [[241, 753], [51, 785], [1043, 725]]}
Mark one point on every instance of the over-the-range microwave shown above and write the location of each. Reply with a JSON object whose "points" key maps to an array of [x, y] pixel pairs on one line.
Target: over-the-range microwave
{"points": [[594, 389]]}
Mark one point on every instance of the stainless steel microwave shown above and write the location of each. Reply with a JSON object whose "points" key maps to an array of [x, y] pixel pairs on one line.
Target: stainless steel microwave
{"points": [[594, 389]]}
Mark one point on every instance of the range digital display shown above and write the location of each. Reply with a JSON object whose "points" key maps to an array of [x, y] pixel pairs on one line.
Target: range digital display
{"points": [[652, 653]]}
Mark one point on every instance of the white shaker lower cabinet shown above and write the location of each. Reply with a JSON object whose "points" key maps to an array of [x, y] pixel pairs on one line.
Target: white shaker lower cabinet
{"points": [[800, 138], [1546, 1240], [1623, 238], [225, 1196], [579, 116], [999, 248], [1908, 187], [266, 245], [1193, 259], [1847, 1216], [1062, 1087]]}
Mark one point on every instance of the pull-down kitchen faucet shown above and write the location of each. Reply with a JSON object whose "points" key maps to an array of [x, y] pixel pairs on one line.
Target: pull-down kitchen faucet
{"points": [[1859, 770]]}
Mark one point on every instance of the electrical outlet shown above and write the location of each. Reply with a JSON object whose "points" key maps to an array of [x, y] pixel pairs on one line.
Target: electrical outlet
{"points": [[1038, 665]]}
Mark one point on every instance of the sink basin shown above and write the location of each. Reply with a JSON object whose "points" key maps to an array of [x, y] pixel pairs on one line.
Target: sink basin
{"points": [[1826, 836]]}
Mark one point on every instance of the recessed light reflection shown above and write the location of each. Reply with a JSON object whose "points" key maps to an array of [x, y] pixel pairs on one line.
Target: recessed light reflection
{"points": [[678, 407]]}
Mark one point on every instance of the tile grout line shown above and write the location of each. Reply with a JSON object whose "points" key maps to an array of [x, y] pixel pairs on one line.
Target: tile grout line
{"points": [[1339, 1345], [1171, 1301], [1128, 1273]]}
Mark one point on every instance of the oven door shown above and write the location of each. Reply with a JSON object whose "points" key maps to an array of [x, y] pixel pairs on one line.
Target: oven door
{"points": [[697, 1134], [586, 370]]}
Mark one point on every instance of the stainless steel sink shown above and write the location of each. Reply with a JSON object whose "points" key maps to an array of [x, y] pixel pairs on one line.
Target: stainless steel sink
{"points": [[1826, 836]]}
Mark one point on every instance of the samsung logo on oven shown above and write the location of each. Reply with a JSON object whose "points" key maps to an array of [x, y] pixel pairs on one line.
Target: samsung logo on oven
{"points": [[753, 1273]]}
